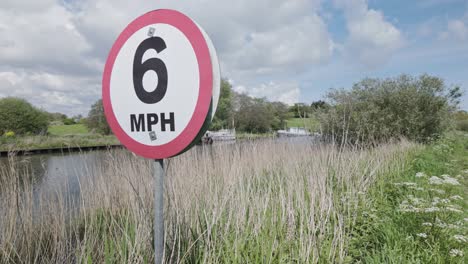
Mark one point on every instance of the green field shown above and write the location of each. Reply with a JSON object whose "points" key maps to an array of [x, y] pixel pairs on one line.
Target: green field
{"points": [[65, 130], [311, 123], [61, 136]]}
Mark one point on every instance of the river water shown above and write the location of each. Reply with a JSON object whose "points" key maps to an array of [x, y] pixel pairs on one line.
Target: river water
{"points": [[63, 172]]}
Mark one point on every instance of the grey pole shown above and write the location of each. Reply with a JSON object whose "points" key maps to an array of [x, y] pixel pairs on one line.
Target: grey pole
{"points": [[158, 211]]}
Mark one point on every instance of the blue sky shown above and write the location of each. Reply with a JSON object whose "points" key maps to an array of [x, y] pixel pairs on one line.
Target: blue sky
{"points": [[423, 52], [53, 51]]}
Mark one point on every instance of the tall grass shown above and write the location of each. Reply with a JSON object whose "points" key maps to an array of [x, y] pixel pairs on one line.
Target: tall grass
{"points": [[255, 202]]}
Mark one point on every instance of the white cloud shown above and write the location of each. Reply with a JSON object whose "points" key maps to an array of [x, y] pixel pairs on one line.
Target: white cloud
{"points": [[372, 39], [287, 92], [53, 51], [66, 94], [457, 29], [44, 38]]}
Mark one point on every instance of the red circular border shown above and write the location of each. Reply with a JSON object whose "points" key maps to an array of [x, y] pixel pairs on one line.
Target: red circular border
{"points": [[199, 45]]}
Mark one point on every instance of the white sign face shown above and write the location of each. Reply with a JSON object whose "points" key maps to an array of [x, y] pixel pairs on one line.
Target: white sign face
{"points": [[181, 94], [158, 83]]}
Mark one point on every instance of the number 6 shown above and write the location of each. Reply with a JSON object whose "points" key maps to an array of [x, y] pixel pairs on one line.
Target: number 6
{"points": [[154, 64]]}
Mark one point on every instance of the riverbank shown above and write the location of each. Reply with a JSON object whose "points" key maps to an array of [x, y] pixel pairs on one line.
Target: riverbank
{"points": [[262, 201], [421, 214], [38, 143]]}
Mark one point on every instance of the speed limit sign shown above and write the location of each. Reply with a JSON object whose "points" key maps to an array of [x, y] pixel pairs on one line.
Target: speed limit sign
{"points": [[161, 84]]}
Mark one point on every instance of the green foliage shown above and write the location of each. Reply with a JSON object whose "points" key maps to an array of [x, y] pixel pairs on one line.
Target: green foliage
{"points": [[21, 117], [310, 123], [412, 217], [377, 110], [253, 115], [223, 116], [319, 105], [248, 114], [300, 110], [9, 134], [69, 121], [96, 120], [63, 130], [461, 121]]}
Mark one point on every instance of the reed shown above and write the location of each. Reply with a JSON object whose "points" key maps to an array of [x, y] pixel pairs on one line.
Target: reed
{"points": [[253, 202]]}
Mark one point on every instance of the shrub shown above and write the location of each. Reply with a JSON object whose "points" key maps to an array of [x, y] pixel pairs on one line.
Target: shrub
{"points": [[9, 134], [21, 117], [377, 110], [462, 125], [96, 120]]}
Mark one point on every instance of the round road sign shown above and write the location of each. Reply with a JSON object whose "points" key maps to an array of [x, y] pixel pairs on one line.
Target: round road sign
{"points": [[158, 84]]}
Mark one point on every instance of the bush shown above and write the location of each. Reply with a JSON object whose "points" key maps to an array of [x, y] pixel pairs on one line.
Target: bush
{"points": [[96, 120], [462, 125], [377, 110], [9, 134], [20, 117]]}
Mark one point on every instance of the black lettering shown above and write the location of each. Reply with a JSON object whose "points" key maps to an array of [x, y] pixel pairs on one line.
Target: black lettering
{"points": [[170, 121], [137, 124], [152, 119], [152, 64]]}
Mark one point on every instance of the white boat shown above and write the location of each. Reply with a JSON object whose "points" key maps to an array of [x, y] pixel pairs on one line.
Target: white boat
{"points": [[294, 132], [220, 135]]}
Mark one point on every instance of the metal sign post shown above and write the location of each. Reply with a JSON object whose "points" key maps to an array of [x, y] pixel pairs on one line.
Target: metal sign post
{"points": [[159, 210], [162, 115]]}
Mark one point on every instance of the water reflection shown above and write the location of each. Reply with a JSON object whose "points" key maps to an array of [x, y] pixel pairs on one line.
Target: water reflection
{"points": [[62, 174]]}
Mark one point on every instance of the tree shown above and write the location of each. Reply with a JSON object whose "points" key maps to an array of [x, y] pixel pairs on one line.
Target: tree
{"points": [[280, 115], [300, 110], [96, 119], [318, 105], [223, 117], [21, 117], [253, 115], [376, 110]]}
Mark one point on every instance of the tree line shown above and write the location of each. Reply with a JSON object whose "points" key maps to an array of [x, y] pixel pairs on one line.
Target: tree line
{"points": [[373, 110]]}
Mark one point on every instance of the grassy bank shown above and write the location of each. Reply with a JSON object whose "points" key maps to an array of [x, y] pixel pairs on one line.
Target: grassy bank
{"points": [[67, 130], [63, 136], [256, 202], [48, 142], [311, 124], [420, 215]]}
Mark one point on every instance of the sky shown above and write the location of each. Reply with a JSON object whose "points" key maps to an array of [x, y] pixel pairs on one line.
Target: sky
{"points": [[52, 52]]}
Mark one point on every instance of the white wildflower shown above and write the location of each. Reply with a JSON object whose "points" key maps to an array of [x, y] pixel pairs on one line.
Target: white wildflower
{"points": [[405, 184], [456, 252], [432, 209], [416, 200], [460, 238], [445, 201], [465, 171], [440, 223], [434, 180], [407, 208], [452, 226], [420, 175], [423, 235], [439, 191], [450, 180], [426, 224], [456, 197], [455, 210]]}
